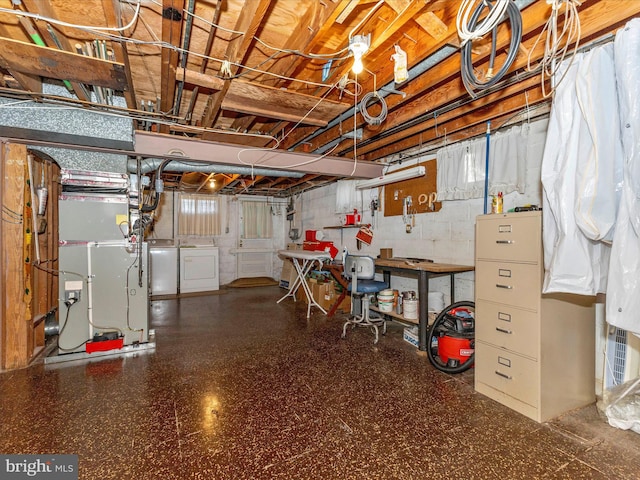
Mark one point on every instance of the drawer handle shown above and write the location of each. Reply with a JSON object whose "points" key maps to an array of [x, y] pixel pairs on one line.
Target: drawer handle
{"points": [[505, 242], [508, 287], [503, 375], [504, 330]]}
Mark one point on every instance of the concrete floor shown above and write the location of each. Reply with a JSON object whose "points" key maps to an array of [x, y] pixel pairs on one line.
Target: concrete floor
{"points": [[240, 387]]}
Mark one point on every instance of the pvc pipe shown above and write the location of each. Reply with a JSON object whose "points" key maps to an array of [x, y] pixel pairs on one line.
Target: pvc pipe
{"points": [[34, 211], [486, 169]]}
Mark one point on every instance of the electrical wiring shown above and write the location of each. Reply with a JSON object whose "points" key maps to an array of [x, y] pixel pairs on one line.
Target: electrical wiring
{"points": [[103, 31], [364, 105], [55, 21], [468, 32], [355, 127], [262, 42], [279, 141], [68, 304], [471, 82], [557, 42]]}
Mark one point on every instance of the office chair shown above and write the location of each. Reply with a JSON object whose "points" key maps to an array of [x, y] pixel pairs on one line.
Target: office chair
{"points": [[360, 269]]}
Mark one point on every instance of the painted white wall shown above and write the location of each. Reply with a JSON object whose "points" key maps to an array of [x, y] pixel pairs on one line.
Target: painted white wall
{"points": [[447, 236], [165, 227]]}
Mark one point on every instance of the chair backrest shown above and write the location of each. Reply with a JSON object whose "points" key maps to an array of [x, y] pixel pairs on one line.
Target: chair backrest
{"points": [[361, 266]]}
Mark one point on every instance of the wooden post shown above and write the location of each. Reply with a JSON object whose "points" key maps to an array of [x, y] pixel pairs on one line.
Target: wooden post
{"points": [[15, 309]]}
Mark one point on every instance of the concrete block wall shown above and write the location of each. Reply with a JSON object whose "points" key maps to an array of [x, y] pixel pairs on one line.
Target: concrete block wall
{"points": [[447, 236]]}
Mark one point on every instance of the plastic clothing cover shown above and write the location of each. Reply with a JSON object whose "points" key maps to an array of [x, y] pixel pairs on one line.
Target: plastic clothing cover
{"points": [[623, 292], [599, 172], [575, 262]]}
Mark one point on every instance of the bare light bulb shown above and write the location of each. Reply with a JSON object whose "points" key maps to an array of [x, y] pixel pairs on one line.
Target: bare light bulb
{"points": [[357, 65]]}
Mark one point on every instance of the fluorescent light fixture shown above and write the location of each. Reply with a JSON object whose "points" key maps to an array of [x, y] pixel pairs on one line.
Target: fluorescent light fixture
{"points": [[407, 174]]}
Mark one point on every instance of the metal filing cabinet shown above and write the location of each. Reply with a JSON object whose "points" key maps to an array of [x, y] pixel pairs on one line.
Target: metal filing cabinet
{"points": [[534, 352]]}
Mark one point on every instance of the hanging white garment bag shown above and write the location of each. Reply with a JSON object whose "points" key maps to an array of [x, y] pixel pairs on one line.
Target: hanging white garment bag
{"points": [[623, 292]]}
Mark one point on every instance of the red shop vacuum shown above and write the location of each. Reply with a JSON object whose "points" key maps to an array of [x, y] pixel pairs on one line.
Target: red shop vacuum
{"points": [[453, 339]]}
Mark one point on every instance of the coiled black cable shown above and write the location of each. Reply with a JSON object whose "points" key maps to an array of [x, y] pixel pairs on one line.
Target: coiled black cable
{"points": [[471, 82]]}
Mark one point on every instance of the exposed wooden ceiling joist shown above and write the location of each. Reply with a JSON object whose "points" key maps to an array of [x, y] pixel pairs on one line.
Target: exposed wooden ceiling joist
{"points": [[172, 16], [52, 63], [260, 100], [248, 22]]}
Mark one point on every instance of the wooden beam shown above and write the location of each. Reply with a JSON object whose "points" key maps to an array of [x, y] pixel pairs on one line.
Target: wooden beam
{"points": [[172, 15], [15, 308], [259, 100], [495, 101], [464, 126], [52, 40], [346, 11], [428, 20], [249, 20], [447, 72], [199, 79], [207, 52], [52, 63], [30, 83], [404, 15], [113, 14]]}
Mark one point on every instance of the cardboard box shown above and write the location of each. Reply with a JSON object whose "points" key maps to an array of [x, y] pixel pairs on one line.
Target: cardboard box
{"points": [[288, 274], [411, 335]]}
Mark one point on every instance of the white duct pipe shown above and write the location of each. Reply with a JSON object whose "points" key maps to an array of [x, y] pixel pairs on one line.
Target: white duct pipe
{"points": [[152, 164]]}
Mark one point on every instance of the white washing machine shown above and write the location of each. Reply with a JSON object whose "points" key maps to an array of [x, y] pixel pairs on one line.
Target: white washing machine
{"points": [[164, 267]]}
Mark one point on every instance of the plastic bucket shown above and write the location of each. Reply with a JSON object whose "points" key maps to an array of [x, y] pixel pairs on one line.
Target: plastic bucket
{"points": [[410, 308], [386, 307], [385, 302]]}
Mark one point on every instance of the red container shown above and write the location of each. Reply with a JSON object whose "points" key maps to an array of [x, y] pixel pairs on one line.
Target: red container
{"points": [[454, 347], [328, 247], [313, 246], [313, 235], [104, 345]]}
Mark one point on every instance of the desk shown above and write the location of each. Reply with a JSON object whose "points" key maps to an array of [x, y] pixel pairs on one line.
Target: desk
{"points": [[303, 261], [424, 271]]}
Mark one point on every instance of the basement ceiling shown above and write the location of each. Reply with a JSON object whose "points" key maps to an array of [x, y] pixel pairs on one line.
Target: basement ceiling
{"points": [[276, 74]]}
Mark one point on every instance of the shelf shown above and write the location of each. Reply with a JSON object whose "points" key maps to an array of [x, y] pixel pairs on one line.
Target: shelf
{"points": [[342, 227], [395, 316], [400, 318]]}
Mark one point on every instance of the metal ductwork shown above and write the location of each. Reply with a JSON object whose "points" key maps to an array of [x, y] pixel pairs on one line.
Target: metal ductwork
{"points": [[152, 164]]}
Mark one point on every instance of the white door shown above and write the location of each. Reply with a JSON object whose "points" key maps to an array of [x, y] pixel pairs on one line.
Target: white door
{"points": [[254, 256]]}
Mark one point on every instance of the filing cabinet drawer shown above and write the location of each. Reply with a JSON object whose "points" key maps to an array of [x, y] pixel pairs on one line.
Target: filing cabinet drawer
{"points": [[516, 284], [508, 372], [513, 237], [508, 327]]}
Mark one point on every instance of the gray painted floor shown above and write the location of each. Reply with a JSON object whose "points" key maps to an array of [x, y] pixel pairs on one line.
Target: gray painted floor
{"points": [[240, 387]]}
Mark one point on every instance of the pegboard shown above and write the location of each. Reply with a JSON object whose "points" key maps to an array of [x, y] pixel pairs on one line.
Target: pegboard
{"points": [[420, 189]]}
